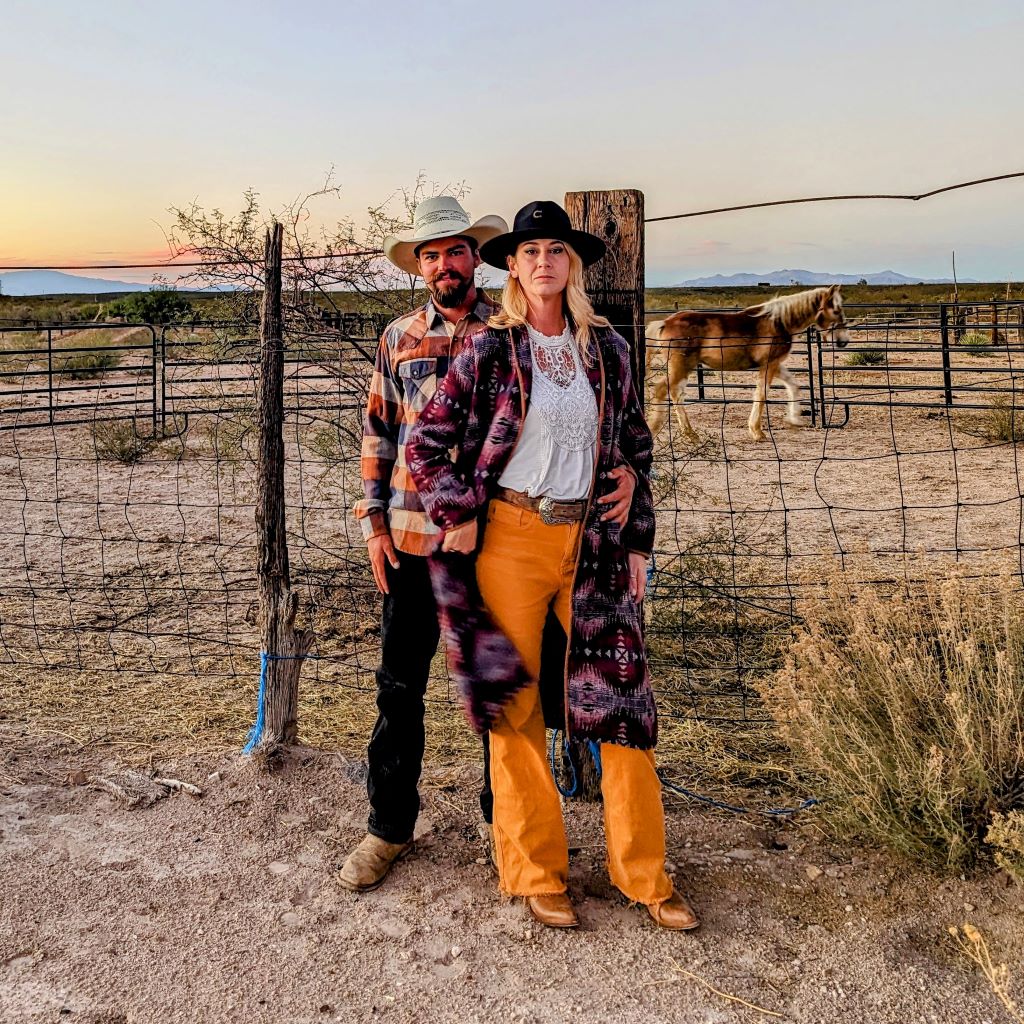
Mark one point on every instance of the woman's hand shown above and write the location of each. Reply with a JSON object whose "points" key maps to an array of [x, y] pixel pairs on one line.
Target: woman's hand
{"points": [[637, 576], [461, 540], [621, 499]]}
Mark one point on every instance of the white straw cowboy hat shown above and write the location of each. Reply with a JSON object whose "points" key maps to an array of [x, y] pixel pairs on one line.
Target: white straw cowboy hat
{"points": [[440, 217]]}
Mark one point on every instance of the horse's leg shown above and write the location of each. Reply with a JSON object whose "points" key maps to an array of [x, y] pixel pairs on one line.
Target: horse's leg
{"points": [[679, 370], [793, 417], [765, 375], [658, 405]]}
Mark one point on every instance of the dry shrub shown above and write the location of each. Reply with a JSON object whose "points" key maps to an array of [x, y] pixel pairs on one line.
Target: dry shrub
{"points": [[869, 356], [908, 702], [1006, 836], [970, 942], [84, 365], [1003, 420], [119, 441]]}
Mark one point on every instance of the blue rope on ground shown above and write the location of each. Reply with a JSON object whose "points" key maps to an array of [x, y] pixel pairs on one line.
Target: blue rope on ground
{"points": [[257, 730], [772, 812]]}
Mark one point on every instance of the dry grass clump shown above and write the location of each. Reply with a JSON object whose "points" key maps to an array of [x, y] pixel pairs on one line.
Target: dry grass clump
{"points": [[1006, 836], [1003, 420], [119, 441], [869, 356], [908, 701], [744, 764], [84, 365], [970, 942]]}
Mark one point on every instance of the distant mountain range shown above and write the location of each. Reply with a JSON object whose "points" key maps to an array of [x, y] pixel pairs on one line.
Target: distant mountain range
{"points": [[53, 282], [810, 278]]}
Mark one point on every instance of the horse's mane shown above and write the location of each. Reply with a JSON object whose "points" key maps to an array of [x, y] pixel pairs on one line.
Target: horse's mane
{"points": [[790, 312]]}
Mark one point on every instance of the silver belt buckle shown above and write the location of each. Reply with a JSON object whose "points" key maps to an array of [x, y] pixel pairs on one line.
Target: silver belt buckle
{"points": [[548, 514]]}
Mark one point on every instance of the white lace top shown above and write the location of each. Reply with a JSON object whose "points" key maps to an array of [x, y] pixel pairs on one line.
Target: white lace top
{"points": [[555, 454]]}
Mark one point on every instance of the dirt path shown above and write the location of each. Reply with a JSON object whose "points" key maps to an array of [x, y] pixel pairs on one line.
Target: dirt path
{"points": [[225, 908]]}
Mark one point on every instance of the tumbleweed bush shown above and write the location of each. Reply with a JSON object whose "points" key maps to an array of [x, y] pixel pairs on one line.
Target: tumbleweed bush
{"points": [[907, 701]]}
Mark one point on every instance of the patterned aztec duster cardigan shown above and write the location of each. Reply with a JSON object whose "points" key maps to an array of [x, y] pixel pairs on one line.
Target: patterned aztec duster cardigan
{"points": [[479, 409]]}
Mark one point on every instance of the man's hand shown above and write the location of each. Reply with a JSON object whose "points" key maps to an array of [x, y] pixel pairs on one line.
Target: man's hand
{"points": [[637, 576], [621, 499], [381, 547], [461, 540]]}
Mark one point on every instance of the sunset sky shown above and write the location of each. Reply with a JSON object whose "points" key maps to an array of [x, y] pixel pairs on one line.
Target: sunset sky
{"points": [[113, 112]]}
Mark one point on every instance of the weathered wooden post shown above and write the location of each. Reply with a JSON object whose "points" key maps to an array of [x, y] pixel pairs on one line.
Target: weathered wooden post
{"points": [[616, 288], [616, 283], [282, 646], [995, 321]]}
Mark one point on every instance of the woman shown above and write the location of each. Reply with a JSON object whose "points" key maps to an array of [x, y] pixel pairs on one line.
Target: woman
{"points": [[540, 406]]}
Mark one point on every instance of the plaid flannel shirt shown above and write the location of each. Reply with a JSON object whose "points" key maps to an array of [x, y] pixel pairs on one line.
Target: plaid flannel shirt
{"points": [[414, 354]]}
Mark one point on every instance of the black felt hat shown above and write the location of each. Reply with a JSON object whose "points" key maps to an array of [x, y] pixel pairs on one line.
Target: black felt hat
{"points": [[541, 220]]}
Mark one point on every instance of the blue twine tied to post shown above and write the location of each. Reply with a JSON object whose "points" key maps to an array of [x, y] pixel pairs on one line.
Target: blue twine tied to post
{"points": [[256, 732]]}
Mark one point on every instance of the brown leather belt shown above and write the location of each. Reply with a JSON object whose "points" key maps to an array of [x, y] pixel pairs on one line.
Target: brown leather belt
{"points": [[551, 512]]}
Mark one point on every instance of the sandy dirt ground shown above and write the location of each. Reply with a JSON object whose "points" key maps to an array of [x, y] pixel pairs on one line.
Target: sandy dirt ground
{"points": [[226, 908]]}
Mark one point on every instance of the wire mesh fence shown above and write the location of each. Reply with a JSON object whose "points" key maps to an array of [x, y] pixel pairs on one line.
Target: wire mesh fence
{"points": [[127, 496]]}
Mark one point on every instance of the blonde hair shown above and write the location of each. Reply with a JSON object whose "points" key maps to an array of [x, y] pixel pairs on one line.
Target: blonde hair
{"points": [[575, 305]]}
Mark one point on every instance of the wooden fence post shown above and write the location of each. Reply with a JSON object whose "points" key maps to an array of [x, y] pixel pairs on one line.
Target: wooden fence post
{"points": [[616, 283], [282, 647]]}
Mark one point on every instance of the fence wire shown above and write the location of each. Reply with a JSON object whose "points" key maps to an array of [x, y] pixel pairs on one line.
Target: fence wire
{"points": [[127, 495]]}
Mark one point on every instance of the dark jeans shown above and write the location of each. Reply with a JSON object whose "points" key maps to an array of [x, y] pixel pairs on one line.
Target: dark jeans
{"points": [[409, 637]]}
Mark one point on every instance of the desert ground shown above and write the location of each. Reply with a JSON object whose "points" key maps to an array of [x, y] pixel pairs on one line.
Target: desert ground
{"points": [[225, 907], [128, 644]]}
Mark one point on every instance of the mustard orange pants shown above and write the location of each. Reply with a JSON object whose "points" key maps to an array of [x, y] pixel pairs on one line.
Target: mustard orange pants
{"points": [[524, 568]]}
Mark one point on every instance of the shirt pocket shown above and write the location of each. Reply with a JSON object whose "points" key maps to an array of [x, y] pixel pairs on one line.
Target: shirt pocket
{"points": [[419, 381]]}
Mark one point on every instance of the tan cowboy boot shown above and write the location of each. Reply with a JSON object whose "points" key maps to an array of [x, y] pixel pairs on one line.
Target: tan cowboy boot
{"points": [[368, 864], [554, 911], [675, 914]]}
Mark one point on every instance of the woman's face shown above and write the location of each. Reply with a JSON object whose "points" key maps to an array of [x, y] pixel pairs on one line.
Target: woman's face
{"points": [[541, 267]]}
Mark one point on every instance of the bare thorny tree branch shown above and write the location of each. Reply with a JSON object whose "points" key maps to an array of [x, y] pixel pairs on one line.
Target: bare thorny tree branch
{"points": [[325, 266]]}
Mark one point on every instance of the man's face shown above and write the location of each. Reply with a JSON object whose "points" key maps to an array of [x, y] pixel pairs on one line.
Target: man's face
{"points": [[446, 266]]}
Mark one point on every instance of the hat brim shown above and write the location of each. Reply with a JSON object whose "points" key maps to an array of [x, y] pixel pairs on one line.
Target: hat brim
{"points": [[402, 251], [589, 247]]}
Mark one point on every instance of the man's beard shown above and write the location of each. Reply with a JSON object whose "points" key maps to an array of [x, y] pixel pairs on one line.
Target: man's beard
{"points": [[450, 294]]}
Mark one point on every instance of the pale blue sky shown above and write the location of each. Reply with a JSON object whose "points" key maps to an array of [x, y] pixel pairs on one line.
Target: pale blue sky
{"points": [[113, 112]]}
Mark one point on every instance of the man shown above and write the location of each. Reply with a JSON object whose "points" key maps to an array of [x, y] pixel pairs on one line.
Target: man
{"points": [[414, 354]]}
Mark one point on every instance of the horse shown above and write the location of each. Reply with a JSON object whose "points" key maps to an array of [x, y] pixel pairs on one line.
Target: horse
{"points": [[756, 338]]}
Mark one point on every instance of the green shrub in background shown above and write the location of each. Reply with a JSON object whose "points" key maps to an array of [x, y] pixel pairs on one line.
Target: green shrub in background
{"points": [[976, 343], [88, 364], [161, 305]]}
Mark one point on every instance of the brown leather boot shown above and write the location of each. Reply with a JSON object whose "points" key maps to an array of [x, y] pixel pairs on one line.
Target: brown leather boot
{"points": [[675, 914], [368, 864], [555, 911]]}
